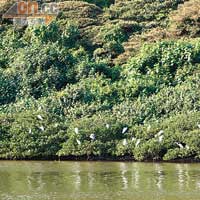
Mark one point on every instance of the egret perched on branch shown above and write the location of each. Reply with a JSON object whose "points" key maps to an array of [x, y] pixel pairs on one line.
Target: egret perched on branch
{"points": [[159, 133], [107, 126], [187, 147], [76, 130], [125, 142], [41, 128], [137, 142], [179, 144], [78, 141], [39, 117], [56, 125], [30, 131], [133, 139], [92, 136], [124, 130], [160, 138], [40, 108]]}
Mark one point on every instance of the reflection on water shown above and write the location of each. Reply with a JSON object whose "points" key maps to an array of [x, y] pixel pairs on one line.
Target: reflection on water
{"points": [[160, 176], [123, 169], [77, 177], [98, 181]]}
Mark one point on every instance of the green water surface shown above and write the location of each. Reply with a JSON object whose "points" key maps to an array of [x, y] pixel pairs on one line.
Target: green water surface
{"points": [[36, 180]]}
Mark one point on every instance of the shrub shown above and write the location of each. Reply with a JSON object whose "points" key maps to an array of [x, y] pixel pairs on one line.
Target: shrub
{"points": [[9, 86], [61, 94], [106, 131], [157, 66], [31, 134]]}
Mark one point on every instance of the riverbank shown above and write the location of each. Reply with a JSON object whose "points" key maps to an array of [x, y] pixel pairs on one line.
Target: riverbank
{"points": [[102, 159]]}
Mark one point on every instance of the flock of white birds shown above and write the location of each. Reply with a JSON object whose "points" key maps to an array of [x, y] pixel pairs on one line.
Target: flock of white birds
{"points": [[159, 136]]}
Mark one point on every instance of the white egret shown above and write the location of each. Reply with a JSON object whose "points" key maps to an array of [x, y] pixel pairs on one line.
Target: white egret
{"points": [[124, 130], [56, 125], [40, 108], [198, 125], [30, 131], [39, 117], [92, 136], [179, 144], [107, 126], [78, 141], [137, 142], [160, 139], [125, 142], [41, 128], [133, 139], [187, 147], [159, 133], [76, 130]]}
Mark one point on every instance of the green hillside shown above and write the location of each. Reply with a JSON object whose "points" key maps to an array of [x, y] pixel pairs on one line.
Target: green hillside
{"points": [[105, 79]]}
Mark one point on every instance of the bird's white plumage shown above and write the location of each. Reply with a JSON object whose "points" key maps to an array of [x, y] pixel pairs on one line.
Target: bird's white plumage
{"points": [[124, 130], [137, 142], [180, 145], [107, 126], [39, 117], [41, 128], [161, 132], [133, 139], [125, 142], [78, 141], [160, 138], [92, 136], [76, 130]]}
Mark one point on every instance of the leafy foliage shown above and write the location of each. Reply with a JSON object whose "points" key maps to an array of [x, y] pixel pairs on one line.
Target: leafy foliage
{"points": [[61, 94]]}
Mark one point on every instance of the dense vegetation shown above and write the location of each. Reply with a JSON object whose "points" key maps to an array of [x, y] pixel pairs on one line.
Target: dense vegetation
{"points": [[123, 80]]}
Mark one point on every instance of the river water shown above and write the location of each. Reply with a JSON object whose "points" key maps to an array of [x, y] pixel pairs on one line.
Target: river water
{"points": [[48, 180]]}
